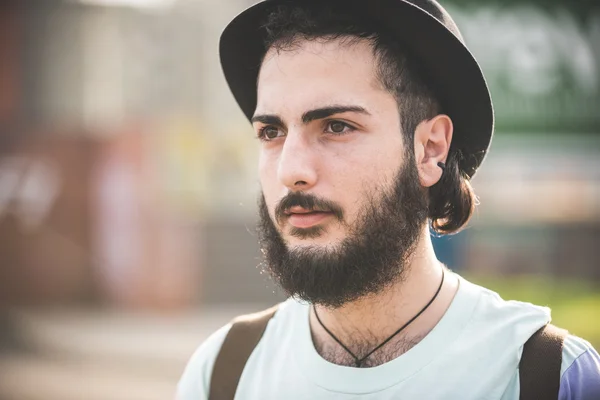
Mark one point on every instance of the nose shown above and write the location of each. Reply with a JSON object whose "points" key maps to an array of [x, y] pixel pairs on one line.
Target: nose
{"points": [[297, 168]]}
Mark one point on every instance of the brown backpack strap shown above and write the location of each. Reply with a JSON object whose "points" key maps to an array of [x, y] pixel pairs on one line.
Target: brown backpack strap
{"points": [[242, 338], [539, 369]]}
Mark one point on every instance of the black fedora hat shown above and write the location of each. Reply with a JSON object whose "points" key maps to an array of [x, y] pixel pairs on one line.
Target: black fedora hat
{"points": [[422, 26]]}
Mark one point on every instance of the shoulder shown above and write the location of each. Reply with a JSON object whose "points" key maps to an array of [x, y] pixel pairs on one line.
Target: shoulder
{"points": [[580, 370], [491, 304], [195, 380], [580, 367], [497, 317]]}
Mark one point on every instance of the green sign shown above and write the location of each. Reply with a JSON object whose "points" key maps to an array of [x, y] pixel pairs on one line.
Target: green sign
{"points": [[542, 63]]}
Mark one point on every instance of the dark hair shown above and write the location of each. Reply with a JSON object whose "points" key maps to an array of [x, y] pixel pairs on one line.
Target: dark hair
{"points": [[451, 199]]}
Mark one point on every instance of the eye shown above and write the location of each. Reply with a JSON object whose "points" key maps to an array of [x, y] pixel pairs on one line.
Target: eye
{"points": [[338, 127], [269, 132]]}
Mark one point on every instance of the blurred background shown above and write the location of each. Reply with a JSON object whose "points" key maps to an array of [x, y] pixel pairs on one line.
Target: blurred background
{"points": [[128, 182]]}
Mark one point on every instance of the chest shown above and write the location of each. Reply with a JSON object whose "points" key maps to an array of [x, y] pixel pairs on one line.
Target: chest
{"points": [[277, 374]]}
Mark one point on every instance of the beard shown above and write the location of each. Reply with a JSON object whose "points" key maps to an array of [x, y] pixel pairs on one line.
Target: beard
{"points": [[374, 255]]}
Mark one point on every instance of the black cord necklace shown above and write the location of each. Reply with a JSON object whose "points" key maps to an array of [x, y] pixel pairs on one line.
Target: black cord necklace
{"points": [[358, 361]]}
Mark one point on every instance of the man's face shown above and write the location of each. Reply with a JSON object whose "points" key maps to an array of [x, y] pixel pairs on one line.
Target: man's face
{"points": [[342, 157], [334, 172]]}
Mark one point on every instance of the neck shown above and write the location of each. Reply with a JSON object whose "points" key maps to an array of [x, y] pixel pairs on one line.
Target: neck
{"points": [[363, 324]]}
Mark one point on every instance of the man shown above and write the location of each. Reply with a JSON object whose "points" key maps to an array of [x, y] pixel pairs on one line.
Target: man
{"points": [[372, 117]]}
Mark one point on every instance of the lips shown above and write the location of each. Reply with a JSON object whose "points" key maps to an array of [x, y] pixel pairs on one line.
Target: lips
{"points": [[302, 218]]}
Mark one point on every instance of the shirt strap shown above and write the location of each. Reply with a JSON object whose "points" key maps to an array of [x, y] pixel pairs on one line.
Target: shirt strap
{"points": [[243, 336], [539, 368]]}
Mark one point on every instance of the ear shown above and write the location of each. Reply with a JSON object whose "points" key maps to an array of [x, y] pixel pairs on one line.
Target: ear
{"points": [[432, 143]]}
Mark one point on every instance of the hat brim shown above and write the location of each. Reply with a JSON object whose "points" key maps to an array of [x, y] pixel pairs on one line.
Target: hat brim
{"points": [[452, 70]]}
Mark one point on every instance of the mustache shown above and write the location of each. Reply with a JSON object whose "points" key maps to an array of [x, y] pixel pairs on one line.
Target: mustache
{"points": [[309, 202]]}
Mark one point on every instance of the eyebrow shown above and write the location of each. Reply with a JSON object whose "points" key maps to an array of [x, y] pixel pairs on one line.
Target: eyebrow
{"points": [[325, 112], [311, 115], [267, 120]]}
